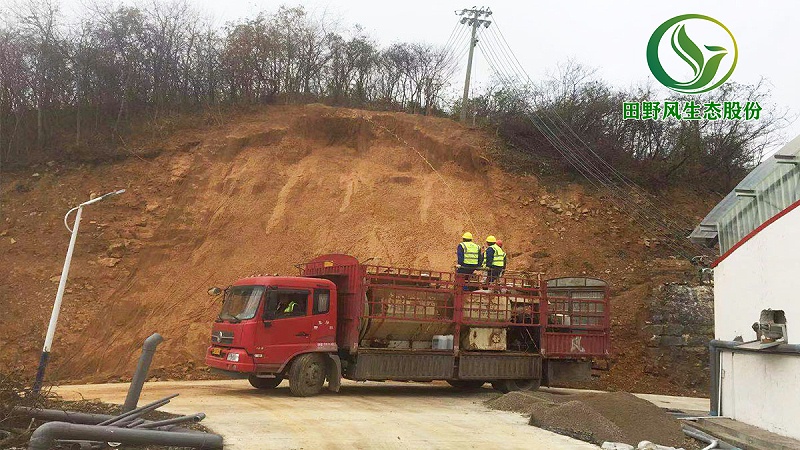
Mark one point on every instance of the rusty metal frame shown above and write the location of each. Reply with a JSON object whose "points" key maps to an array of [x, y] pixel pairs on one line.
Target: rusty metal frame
{"points": [[537, 304]]}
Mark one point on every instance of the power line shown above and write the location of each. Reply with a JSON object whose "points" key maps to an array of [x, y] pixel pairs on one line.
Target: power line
{"points": [[452, 32], [584, 167], [458, 46], [514, 62], [632, 185], [455, 39], [566, 144]]}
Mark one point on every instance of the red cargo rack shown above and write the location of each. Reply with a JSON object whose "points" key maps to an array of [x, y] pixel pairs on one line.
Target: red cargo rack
{"points": [[566, 318]]}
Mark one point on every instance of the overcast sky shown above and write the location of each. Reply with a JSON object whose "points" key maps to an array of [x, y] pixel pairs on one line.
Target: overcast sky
{"points": [[610, 36]]}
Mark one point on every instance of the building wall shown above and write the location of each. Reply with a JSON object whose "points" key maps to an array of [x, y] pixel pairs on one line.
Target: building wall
{"points": [[762, 390], [763, 272]]}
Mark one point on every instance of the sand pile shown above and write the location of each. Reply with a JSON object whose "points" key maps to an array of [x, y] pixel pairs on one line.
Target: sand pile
{"points": [[596, 417], [576, 419]]}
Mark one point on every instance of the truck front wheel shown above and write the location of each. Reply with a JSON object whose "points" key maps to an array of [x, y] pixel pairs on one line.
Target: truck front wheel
{"points": [[264, 383], [506, 386], [307, 375]]}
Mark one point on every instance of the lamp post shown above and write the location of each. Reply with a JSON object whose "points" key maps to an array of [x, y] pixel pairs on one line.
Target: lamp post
{"points": [[51, 328]]}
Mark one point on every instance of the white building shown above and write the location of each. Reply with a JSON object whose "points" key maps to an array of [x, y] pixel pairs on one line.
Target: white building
{"points": [[757, 227]]}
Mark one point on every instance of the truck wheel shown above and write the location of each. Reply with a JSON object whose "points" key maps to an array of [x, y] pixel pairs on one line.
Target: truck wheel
{"points": [[264, 383], [466, 385], [307, 375], [506, 386]]}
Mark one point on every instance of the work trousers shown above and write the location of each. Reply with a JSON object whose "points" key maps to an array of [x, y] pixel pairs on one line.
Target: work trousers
{"points": [[494, 273]]}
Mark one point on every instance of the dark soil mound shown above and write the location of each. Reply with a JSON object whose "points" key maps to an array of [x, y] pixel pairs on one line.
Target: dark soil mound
{"points": [[639, 419], [595, 417], [576, 419], [520, 402]]}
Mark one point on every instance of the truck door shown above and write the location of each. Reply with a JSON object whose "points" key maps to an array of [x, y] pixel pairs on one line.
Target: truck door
{"points": [[323, 329], [287, 325]]}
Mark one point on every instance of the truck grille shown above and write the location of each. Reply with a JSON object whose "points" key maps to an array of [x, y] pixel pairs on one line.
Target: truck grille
{"points": [[222, 337]]}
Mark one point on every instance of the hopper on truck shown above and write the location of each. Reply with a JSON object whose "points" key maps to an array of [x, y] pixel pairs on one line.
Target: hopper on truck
{"points": [[344, 319]]}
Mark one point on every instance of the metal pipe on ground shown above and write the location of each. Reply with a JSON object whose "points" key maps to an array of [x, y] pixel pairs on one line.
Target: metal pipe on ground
{"points": [[140, 410], [135, 423], [142, 368], [57, 415], [694, 433], [45, 436], [62, 416], [174, 421], [124, 422]]}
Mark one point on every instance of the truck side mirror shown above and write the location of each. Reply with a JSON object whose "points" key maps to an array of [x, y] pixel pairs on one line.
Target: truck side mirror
{"points": [[214, 291]]}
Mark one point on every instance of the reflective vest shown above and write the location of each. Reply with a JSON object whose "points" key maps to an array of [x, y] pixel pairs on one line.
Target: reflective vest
{"points": [[290, 308], [471, 253], [499, 258]]}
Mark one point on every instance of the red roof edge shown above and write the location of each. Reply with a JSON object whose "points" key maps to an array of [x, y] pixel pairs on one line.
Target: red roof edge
{"points": [[755, 232]]}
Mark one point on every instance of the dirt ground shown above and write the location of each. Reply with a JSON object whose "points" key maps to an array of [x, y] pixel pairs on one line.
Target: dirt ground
{"points": [[267, 190], [361, 415]]}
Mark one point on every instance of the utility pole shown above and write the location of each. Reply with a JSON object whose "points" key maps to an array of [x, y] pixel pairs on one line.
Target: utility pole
{"points": [[472, 18]]}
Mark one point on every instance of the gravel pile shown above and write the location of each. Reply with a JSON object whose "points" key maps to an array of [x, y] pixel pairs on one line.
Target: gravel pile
{"points": [[576, 419], [520, 402], [595, 417], [639, 419]]}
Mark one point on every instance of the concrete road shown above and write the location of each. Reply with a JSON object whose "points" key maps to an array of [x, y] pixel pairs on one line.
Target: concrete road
{"points": [[689, 404], [362, 415]]}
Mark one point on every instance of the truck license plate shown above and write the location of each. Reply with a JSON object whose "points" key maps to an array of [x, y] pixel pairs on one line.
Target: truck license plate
{"points": [[216, 351]]}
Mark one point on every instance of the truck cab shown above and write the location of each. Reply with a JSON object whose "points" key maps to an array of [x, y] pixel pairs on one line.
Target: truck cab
{"points": [[266, 322]]}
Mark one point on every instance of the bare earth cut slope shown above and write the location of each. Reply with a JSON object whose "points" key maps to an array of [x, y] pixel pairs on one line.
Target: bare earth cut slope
{"points": [[268, 190]]}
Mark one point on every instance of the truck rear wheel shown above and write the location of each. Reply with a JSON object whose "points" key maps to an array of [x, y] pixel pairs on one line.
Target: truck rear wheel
{"points": [[307, 375], [506, 386], [264, 383], [466, 385]]}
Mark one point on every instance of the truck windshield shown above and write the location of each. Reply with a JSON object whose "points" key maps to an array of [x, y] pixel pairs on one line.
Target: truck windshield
{"points": [[241, 303]]}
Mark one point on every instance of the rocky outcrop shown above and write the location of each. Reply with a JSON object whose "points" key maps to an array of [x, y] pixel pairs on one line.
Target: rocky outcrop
{"points": [[680, 325]]}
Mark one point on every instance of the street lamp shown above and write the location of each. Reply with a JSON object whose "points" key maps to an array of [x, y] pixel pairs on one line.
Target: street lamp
{"points": [[51, 328]]}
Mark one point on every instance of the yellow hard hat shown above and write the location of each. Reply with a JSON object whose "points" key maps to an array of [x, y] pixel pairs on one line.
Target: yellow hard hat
{"points": [[467, 235], [491, 239]]}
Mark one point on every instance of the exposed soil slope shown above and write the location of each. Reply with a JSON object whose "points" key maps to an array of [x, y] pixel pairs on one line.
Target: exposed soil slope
{"points": [[274, 188]]}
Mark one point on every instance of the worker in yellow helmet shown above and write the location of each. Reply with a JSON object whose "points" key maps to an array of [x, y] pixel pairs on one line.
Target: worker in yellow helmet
{"points": [[495, 259], [469, 255]]}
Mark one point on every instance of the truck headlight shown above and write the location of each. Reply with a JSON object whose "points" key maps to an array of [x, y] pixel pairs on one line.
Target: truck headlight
{"points": [[233, 357]]}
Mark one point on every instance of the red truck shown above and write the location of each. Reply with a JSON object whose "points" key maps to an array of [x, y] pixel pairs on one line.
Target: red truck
{"points": [[344, 319]]}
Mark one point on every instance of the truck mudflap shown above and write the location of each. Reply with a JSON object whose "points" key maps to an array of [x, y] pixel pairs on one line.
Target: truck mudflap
{"points": [[334, 372], [499, 366]]}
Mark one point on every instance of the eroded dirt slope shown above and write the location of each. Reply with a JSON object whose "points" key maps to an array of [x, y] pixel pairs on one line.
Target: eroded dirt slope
{"points": [[263, 192]]}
